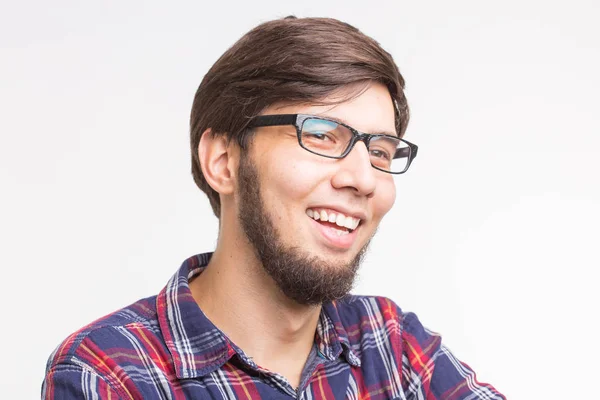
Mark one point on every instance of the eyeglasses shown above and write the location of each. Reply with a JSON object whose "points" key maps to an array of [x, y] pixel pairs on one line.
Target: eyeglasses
{"points": [[333, 139]]}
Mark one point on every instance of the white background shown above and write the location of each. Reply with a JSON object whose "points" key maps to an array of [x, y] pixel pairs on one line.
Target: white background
{"points": [[493, 240]]}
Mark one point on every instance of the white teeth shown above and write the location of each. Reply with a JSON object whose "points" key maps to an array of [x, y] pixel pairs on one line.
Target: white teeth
{"points": [[349, 223], [323, 215], [341, 233], [335, 218]]}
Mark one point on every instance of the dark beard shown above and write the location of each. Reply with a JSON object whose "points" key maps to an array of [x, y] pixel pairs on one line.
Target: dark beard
{"points": [[303, 278]]}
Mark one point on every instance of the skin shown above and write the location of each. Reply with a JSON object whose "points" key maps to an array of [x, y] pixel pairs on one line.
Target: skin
{"points": [[235, 292]]}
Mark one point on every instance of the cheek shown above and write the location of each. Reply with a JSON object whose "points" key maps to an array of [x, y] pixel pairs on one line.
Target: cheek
{"points": [[288, 183], [385, 197], [300, 178]]}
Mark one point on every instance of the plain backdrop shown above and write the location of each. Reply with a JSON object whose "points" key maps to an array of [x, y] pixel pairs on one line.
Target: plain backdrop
{"points": [[493, 240]]}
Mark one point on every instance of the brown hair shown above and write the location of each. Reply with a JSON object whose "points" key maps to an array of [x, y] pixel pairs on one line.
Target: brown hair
{"points": [[291, 60]]}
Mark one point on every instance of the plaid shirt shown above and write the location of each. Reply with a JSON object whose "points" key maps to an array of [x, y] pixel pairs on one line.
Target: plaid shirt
{"points": [[164, 347]]}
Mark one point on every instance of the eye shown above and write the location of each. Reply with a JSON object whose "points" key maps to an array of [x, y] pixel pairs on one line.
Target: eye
{"points": [[380, 154], [319, 136]]}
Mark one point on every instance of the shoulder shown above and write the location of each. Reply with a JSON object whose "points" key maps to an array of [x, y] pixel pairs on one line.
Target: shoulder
{"points": [[428, 368], [364, 316], [387, 339], [353, 309], [112, 331]]}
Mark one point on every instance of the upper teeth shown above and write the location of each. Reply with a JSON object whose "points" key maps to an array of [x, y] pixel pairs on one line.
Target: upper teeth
{"points": [[337, 218]]}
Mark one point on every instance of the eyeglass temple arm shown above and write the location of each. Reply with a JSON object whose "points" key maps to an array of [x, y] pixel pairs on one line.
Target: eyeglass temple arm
{"points": [[406, 152], [272, 120]]}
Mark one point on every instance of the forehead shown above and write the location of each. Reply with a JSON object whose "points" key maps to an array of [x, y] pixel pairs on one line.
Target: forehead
{"points": [[368, 109]]}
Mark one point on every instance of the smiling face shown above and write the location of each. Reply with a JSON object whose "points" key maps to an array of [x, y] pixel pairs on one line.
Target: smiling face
{"points": [[310, 218]]}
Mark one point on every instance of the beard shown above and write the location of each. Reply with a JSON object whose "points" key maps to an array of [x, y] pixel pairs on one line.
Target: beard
{"points": [[302, 277]]}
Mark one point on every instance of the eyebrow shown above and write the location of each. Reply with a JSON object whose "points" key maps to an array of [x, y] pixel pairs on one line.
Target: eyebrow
{"points": [[339, 121]]}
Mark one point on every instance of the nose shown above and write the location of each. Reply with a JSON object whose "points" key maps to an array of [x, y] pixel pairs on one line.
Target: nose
{"points": [[356, 172]]}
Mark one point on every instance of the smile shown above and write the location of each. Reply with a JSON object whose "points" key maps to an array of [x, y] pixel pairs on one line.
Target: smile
{"points": [[334, 218], [337, 230]]}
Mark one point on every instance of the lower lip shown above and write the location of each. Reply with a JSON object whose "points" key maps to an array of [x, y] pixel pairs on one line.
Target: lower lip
{"points": [[344, 241]]}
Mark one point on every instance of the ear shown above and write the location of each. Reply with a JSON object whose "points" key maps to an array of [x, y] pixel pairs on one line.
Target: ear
{"points": [[218, 160]]}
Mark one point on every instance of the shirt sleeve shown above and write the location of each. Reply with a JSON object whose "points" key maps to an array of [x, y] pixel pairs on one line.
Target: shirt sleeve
{"points": [[434, 372], [66, 382]]}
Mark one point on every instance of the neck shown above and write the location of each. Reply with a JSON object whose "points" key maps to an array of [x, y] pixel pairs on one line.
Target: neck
{"points": [[238, 296]]}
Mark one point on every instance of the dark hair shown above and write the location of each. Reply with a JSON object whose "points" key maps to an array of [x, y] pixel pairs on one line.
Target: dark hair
{"points": [[291, 60]]}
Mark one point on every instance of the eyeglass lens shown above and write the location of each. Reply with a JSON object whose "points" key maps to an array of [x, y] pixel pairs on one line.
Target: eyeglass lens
{"points": [[329, 138]]}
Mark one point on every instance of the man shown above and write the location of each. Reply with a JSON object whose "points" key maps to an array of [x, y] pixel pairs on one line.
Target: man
{"points": [[296, 135]]}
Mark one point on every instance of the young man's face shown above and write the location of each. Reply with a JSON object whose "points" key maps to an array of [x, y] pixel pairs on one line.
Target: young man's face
{"points": [[281, 185]]}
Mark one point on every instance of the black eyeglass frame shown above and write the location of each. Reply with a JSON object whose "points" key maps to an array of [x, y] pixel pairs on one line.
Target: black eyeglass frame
{"points": [[298, 120]]}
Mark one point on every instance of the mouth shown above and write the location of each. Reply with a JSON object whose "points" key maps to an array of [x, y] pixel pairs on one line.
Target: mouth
{"points": [[336, 220], [337, 229]]}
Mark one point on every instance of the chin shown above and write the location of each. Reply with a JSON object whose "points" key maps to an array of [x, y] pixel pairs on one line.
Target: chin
{"points": [[337, 260]]}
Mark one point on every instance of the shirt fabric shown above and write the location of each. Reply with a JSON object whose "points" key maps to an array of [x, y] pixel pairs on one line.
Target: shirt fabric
{"points": [[164, 347]]}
